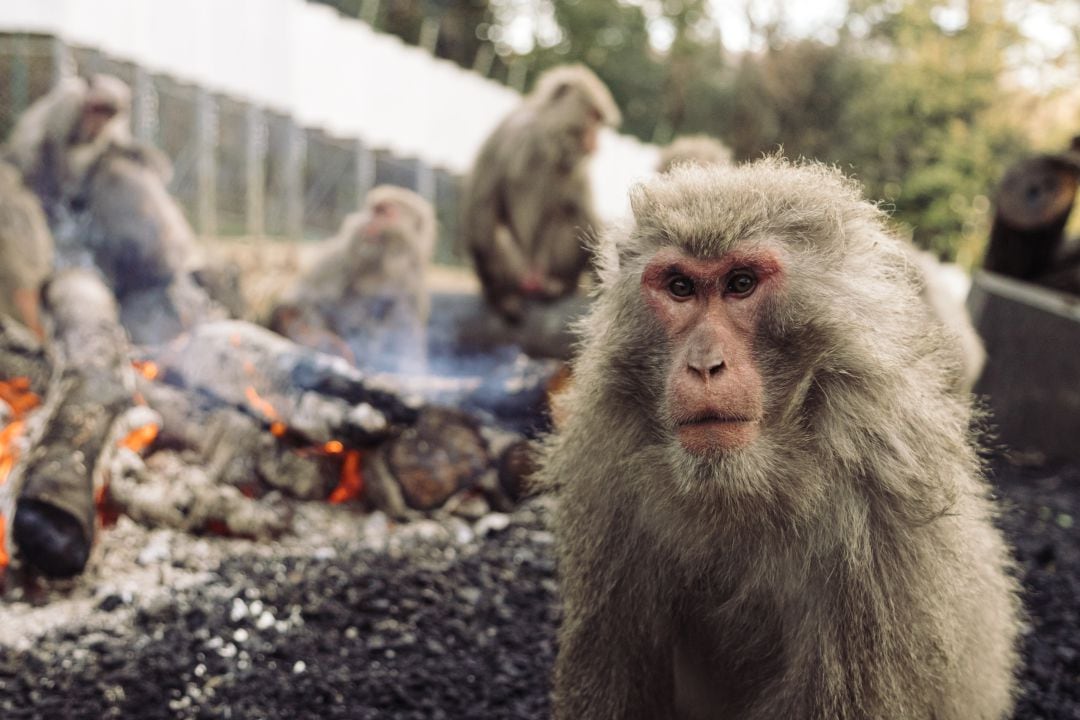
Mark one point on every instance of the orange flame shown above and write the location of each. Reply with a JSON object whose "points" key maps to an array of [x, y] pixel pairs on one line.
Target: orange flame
{"points": [[140, 438], [16, 393], [334, 447], [351, 482], [256, 401], [147, 368]]}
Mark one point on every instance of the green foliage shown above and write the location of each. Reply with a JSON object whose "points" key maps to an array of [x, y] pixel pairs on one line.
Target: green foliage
{"points": [[909, 97]]}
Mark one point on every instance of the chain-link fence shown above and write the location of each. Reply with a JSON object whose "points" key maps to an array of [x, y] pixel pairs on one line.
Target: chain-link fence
{"points": [[238, 169]]}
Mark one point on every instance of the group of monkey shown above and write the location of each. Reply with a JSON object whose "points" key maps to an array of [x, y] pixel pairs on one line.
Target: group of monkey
{"points": [[770, 499]]}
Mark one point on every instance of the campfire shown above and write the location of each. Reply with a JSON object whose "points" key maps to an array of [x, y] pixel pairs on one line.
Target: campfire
{"points": [[222, 429]]}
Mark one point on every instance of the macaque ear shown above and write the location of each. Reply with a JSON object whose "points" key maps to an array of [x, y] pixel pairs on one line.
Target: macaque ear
{"points": [[605, 249]]}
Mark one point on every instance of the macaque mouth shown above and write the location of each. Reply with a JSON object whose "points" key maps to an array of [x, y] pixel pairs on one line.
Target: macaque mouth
{"points": [[714, 418], [710, 432]]}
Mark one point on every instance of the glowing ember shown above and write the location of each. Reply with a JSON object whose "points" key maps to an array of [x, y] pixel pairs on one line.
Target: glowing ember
{"points": [[334, 447], [107, 511], [351, 482], [147, 368], [256, 401], [16, 393], [277, 428], [9, 453], [140, 438]]}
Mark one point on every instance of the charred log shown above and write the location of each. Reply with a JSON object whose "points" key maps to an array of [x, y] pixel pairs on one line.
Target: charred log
{"points": [[246, 367], [54, 516], [22, 356]]}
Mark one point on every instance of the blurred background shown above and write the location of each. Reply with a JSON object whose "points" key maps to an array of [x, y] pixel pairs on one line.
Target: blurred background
{"points": [[280, 114]]}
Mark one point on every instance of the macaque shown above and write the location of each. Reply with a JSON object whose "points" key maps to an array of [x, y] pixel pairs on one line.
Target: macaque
{"points": [[694, 150], [80, 115], [366, 298], [106, 199], [527, 203], [769, 500], [26, 251]]}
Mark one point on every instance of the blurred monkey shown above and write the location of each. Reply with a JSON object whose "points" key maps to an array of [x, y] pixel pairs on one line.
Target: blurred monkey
{"points": [[770, 502], [26, 250], [79, 114], [366, 297], [694, 150], [107, 203], [528, 203]]}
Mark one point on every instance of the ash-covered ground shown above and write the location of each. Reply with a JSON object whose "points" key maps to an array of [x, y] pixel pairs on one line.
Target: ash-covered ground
{"points": [[356, 618]]}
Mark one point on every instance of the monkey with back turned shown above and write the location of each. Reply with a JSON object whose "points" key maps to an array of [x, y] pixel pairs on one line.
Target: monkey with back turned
{"points": [[770, 504]]}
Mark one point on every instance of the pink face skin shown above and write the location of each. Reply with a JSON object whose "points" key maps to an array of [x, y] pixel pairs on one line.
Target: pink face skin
{"points": [[710, 310], [96, 115], [383, 215]]}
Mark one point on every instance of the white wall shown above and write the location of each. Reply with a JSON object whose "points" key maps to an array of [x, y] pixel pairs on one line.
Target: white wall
{"points": [[326, 71]]}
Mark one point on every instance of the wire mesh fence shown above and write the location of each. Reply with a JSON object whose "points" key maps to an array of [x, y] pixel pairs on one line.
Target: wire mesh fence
{"points": [[238, 169]]}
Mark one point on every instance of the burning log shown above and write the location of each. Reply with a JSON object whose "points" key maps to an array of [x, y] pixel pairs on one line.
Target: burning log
{"points": [[54, 517], [421, 468], [315, 397]]}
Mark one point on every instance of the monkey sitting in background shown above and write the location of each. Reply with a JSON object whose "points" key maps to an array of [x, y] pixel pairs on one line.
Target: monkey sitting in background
{"points": [[693, 150], [60, 134], [365, 298], [106, 199], [26, 251], [770, 504], [528, 203]]}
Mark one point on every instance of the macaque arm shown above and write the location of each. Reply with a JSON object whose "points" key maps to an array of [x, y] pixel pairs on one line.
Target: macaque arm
{"points": [[611, 662]]}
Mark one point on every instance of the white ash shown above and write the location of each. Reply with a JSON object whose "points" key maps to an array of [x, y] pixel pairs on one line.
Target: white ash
{"points": [[165, 491], [134, 568]]}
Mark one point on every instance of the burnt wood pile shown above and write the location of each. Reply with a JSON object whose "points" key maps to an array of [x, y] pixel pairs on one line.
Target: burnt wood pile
{"points": [[222, 429]]}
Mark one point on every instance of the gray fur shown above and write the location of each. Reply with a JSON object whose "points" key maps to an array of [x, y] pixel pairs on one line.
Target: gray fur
{"points": [[842, 566], [527, 203]]}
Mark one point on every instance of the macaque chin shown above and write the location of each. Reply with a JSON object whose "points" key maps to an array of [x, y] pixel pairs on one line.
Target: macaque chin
{"points": [[709, 311]]}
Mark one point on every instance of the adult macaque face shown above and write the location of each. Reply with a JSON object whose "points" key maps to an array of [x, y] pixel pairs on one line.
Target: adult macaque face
{"points": [[710, 310]]}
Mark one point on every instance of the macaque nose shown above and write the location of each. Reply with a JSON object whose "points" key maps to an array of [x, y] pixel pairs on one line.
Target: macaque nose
{"points": [[706, 361]]}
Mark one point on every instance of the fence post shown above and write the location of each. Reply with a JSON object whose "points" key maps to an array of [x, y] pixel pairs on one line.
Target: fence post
{"points": [[206, 162], [20, 73], [63, 64], [144, 108], [425, 181], [255, 171], [295, 152], [365, 171]]}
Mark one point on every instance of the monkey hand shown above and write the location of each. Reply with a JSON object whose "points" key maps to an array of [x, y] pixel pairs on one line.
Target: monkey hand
{"points": [[536, 284], [533, 282]]}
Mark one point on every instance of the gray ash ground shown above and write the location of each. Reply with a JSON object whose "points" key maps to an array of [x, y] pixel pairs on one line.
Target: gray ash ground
{"points": [[441, 621]]}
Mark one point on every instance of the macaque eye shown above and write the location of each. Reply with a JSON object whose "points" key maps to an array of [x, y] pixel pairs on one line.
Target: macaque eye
{"points": [[681, 286], [741, 282]]}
